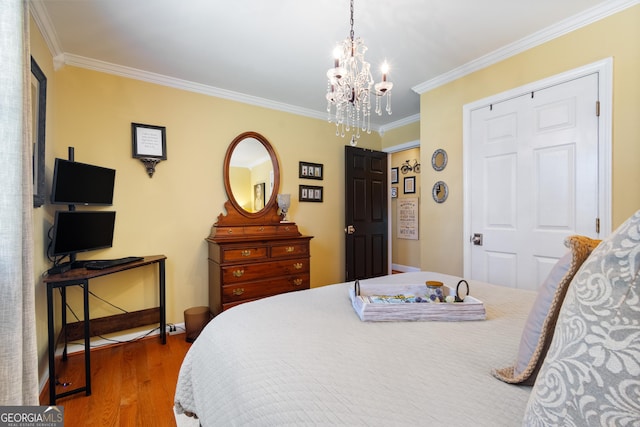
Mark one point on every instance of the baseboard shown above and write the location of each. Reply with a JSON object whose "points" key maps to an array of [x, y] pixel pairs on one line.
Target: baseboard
{"points": [[114, 339], [404, 268]]}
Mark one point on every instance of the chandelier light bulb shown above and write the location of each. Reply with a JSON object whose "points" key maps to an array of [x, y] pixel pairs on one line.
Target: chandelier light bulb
{"points": [[385, 70], [336, 56]]}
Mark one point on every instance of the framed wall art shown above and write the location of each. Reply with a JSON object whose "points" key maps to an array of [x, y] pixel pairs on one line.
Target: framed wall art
{"points": [[310, 170], [310, 193], [149, 145], [149, 141], [394, 175], [38, 115], [408, 218], [410, 185]]}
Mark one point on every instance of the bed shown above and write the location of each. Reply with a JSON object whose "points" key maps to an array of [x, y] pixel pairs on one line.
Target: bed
{"points": [[305, 358]]}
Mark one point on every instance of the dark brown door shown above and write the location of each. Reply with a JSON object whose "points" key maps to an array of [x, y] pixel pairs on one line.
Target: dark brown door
{"points": [[366, 226]]}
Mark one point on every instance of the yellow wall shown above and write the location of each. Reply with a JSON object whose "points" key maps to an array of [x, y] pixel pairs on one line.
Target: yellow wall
{"points": [[405, 252], [441, 123], [401, 135]]}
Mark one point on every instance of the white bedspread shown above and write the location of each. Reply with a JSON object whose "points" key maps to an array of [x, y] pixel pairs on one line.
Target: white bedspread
{"points": [[305, 358]]}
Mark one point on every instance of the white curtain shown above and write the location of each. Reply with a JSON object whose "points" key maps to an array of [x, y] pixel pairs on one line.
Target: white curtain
{"points": [[18, 350]]}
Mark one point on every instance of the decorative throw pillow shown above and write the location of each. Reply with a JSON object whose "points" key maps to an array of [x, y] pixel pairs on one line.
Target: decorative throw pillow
{"points": [[591, 375], [541, 322]]}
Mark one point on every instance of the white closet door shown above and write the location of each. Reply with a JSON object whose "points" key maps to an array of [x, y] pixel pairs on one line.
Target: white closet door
{"points": [[534, 180]]}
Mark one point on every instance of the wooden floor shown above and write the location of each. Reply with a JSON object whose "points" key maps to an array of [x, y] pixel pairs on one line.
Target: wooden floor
{"points": [[133, 384]]}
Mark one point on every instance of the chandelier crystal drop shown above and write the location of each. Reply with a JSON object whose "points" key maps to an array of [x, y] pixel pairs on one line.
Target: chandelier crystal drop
{"points": [[350, 87]]}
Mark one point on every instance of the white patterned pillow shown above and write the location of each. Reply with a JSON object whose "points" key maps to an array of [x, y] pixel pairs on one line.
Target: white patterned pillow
{"points": [[591, 375]]}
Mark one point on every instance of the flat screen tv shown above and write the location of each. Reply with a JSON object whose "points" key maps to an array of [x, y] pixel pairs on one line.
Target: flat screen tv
{"points": [[82, 184], [81, 231]]}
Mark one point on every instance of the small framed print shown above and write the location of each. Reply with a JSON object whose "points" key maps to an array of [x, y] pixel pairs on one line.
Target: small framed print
{"points": [[149, 142], [394, 192], [394, 175], [310, 193], [310, 170], [409, 185], [258, 196]]}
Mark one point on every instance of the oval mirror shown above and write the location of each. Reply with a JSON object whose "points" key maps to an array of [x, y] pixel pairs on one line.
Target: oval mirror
{"points": [[251, 174], [440, 191], [439, 159]]}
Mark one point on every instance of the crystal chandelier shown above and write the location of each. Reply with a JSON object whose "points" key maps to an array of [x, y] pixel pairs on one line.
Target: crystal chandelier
{"points": [[349, 88]]}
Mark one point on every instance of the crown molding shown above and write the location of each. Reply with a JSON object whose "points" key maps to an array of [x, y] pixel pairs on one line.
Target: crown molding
{"points": [[402, 147], [398, 123], [137, 74], [160, 79], [543, 36], [43, 21]]}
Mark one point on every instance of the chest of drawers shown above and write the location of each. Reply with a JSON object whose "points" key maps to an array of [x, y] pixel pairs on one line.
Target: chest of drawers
{"points": [[247, 263]]}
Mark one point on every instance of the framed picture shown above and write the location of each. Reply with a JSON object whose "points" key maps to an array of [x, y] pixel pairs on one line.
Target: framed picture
{"points": [[409, 185], [310, 193], [394, 192], [258, 196], [38, 123], [394, 175], [149, 142], [310, 170]]}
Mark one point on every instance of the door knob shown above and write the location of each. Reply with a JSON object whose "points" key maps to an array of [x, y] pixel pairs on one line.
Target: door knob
{"points": [[350, 229], [476, 239]]}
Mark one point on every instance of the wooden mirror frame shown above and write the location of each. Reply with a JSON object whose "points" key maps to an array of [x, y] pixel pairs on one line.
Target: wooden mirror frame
{"points": [[236, 215]]}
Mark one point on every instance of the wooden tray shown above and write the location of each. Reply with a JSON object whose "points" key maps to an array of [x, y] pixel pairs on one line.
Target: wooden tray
{"points": [[470, 309]]}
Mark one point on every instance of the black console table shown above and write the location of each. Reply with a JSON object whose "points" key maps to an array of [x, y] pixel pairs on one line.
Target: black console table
{"points": [[69, 332]]}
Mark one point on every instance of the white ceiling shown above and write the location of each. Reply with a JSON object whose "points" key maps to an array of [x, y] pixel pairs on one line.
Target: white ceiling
{"points": [[276, 53]]}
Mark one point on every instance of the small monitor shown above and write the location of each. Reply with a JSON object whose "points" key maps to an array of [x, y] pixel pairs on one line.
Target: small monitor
{"points": [[82, 184], [81, 231]]}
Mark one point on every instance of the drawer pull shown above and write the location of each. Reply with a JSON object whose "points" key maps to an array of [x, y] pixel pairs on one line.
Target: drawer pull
{"points": [[297, 266], [238, 273], [238, 291], [290, 249], [229, 231], [261, 229], [246, 252], [297, 282]]}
